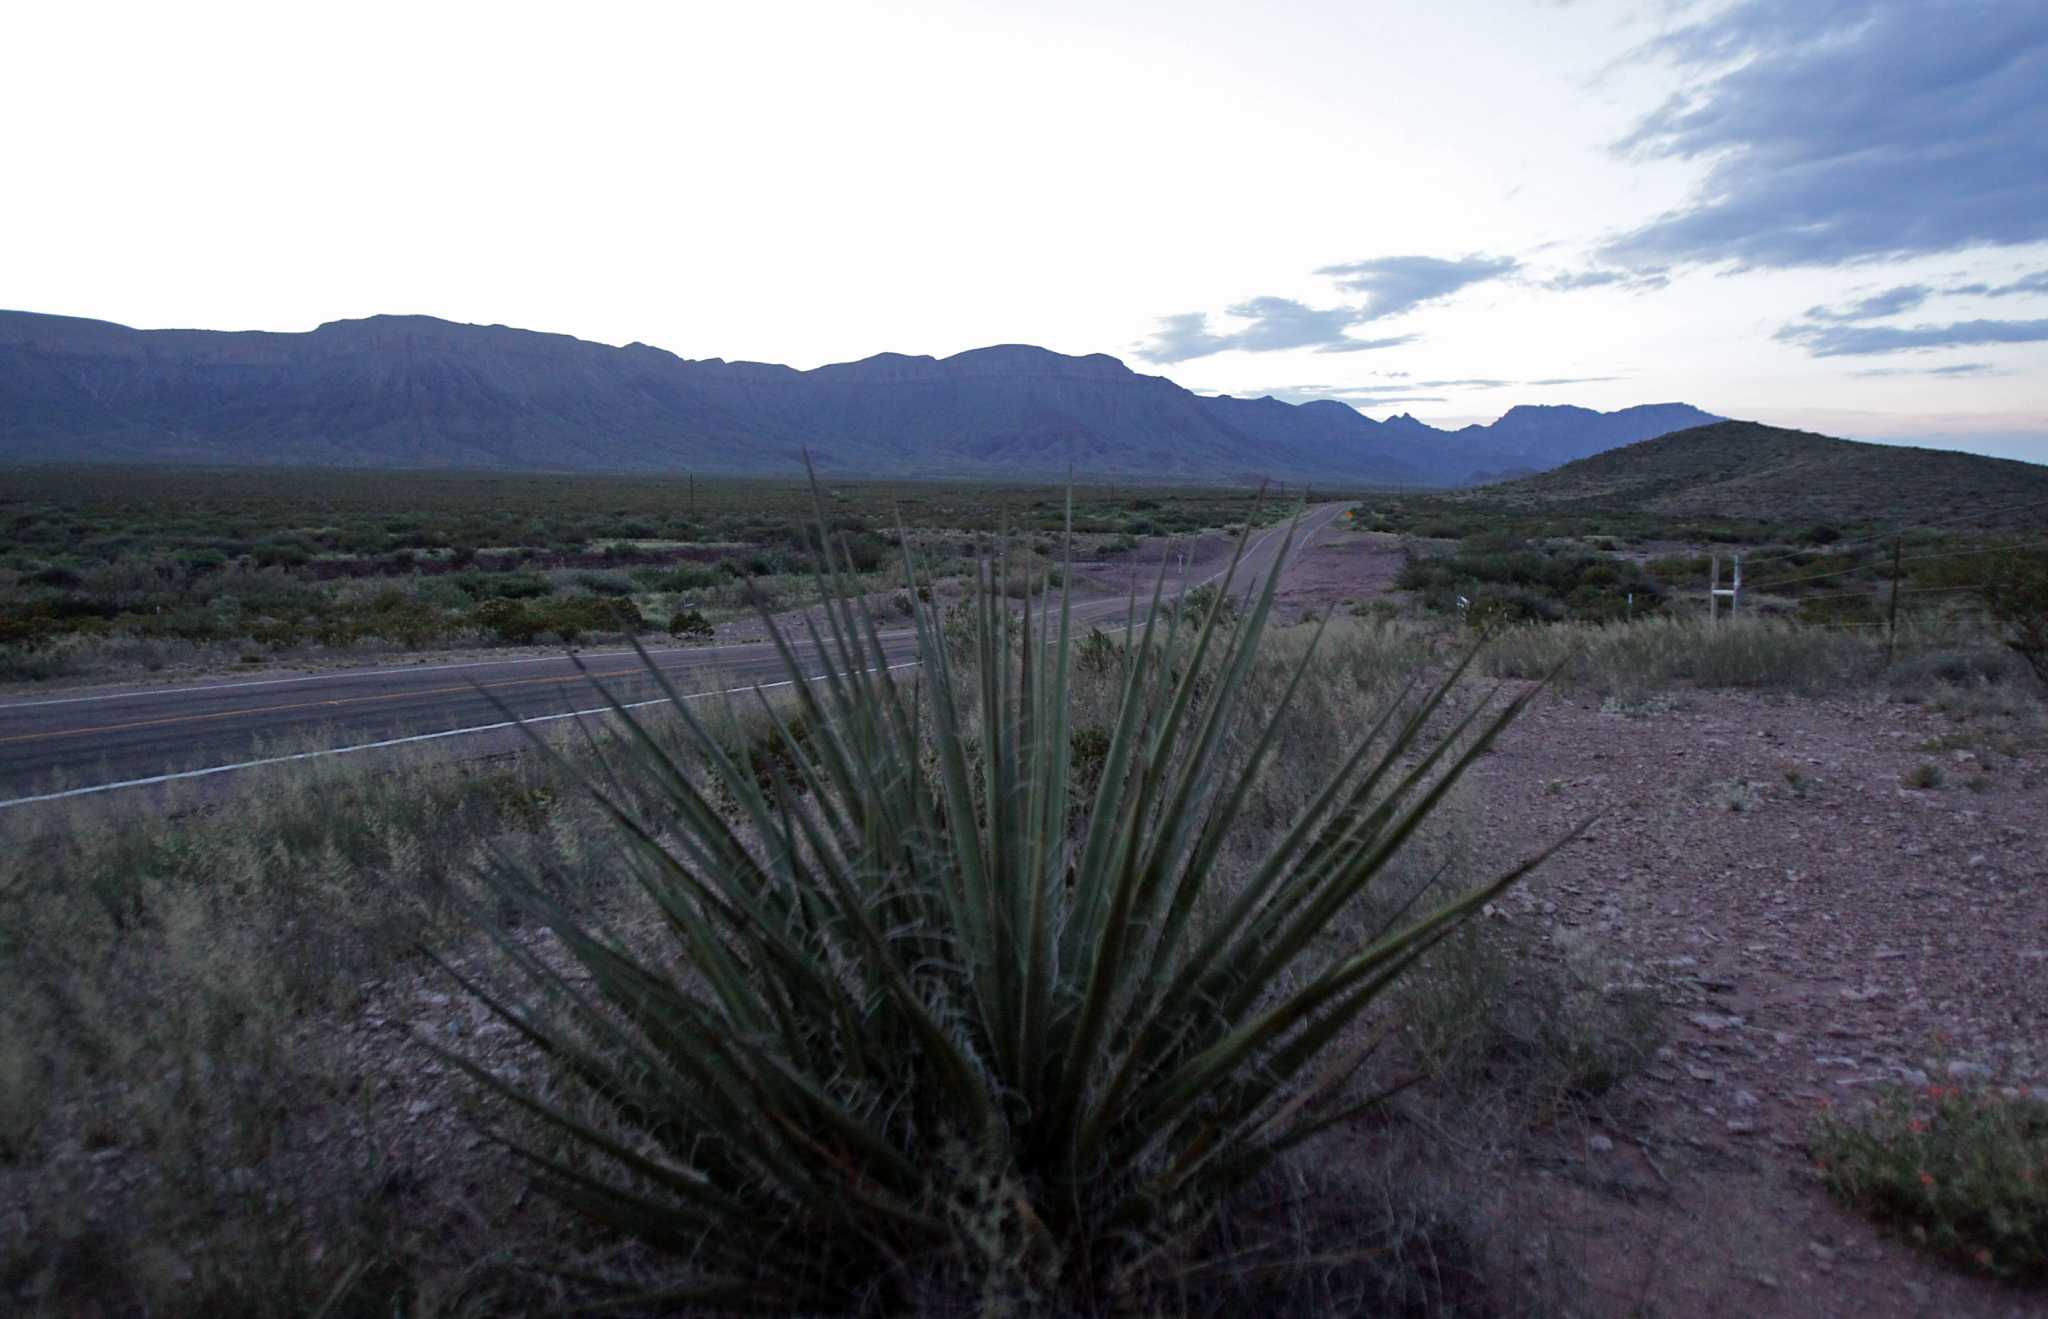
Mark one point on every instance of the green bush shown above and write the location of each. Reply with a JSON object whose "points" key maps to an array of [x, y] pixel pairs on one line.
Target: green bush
{"points": [[510, 621], [1963, 1174], [2016, 596], [929, 1017], [690, 625]]}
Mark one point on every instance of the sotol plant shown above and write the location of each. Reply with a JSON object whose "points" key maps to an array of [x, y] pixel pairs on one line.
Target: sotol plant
{"points": [[919, 1021]]}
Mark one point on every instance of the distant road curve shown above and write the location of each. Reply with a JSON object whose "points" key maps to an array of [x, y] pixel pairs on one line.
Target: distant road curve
{"points": [[78, 743]]}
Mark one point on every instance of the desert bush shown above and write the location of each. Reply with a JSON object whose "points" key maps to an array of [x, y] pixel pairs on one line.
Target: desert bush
{"points": [[1537, 1034], [690, 625], [1925, 775], [1962, 1173], [2016, 597], [926, 1023], [509, 621]]}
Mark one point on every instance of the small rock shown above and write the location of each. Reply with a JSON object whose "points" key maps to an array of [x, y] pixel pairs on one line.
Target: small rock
{"points": [[1714, 1021], [1960, 1070], [1744, 1099], [1599, 1144]]}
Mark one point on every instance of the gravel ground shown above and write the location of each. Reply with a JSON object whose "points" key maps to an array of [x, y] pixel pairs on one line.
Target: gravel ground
{"points": [[1821, 929]]}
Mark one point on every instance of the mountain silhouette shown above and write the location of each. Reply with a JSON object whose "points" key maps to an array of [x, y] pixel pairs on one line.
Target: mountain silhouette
{"points": [[418, 392]]}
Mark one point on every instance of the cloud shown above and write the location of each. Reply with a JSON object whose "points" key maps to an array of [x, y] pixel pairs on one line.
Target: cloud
{"points": [[1842, 131], [1360, 396], [1859, 340], [1394, 284], [1957, 369], [1638, 281], [1379, 395], [1888, 303], [2034, 283], [1275, 325]]}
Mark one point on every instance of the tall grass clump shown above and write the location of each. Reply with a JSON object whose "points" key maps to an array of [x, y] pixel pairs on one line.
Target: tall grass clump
{"points": [[1625, 658], [935, 1025]]}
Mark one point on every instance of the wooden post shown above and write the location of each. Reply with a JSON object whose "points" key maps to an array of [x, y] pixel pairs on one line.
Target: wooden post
{"points": [[1735, 591], [1714, 591], [1891, 633]]}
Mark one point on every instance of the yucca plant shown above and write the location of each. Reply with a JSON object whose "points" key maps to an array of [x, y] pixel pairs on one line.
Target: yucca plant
{"points": [[920, 1018]]}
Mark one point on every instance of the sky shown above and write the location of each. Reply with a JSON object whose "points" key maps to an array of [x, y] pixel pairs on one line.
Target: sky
{"points": [[1825, 215]]}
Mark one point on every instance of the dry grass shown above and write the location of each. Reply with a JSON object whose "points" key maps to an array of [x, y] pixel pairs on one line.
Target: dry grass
{"points": [[188, 1125]]}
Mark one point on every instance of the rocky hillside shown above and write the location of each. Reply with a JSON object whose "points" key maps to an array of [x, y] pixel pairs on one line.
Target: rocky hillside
{"points": [[1742, 469]]}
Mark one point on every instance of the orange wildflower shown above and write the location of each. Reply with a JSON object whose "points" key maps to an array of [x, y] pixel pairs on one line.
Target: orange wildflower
{"points": [[1926, 1177]]}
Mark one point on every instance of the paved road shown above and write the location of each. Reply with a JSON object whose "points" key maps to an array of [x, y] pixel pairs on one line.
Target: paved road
{"points": [[83, 742]]}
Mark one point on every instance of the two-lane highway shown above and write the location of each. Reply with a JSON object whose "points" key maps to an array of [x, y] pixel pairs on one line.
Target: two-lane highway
{"points": [[82, 742]]}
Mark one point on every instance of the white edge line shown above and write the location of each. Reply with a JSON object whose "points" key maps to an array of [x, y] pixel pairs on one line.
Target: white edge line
{"points": [[401, 741], [344, 674]]}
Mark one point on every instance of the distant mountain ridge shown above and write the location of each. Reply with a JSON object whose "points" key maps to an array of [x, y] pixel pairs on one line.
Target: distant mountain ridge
{"points": [[418, 392]]}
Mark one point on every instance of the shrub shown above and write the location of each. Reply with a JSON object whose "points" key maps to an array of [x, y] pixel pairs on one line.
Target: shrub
{"points": [[690, 625], [2016, 596], [1926, 774], [928, 1022], [1963, 1174], [604, 583], [510, 621]]}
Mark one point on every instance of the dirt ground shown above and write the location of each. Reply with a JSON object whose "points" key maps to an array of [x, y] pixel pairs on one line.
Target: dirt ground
{"points": [[1818, 928]]}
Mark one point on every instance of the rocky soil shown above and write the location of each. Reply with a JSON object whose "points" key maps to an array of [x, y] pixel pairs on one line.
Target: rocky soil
{"points": [[1817, 928], [1820, 929]]}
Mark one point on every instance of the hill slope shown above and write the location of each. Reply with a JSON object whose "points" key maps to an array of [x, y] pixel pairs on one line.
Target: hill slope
{"points": [[416, 392], [1741, 469]]}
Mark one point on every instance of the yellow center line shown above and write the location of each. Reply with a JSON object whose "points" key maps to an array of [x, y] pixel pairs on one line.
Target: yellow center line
{"points": [[308, 705]]}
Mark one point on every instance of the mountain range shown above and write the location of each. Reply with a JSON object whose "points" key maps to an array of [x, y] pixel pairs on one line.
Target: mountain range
{"points": [[418, 392]]}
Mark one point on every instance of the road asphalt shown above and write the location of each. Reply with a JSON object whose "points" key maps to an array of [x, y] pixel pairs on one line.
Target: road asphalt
{"points": [[75, 743]]}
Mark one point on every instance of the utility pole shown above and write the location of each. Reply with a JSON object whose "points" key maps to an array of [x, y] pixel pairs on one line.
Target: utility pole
{"points": [[1891, 633]]}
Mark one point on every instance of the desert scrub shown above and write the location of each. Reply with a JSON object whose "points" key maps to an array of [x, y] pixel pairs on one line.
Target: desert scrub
{"points": [[1487, 1019], [1630, 660], [1925, 775], [1961, 1172], [182, 1129], [925, 1032]]}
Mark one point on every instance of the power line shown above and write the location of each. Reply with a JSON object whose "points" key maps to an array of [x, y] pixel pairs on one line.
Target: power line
{"points": [[1877, 588]]}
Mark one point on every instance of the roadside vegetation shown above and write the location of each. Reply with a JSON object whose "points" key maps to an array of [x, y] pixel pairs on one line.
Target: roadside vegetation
{"points": [[229, 1079], [233, 1081], [105, 570]]}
